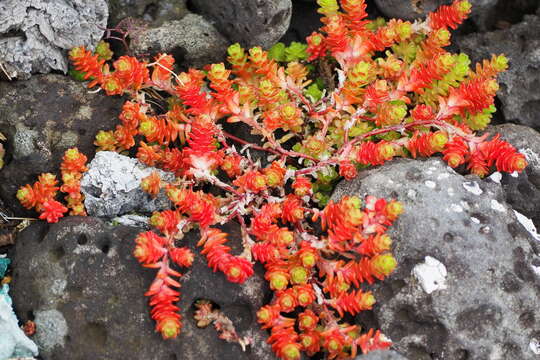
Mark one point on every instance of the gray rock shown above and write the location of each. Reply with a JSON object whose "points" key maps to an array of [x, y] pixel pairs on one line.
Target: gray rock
{"points": [[42, 117], [522, 191], [249, 22], [408, 10], [155, 12], [519, 93], [112, 186], [86, 290], [35, 34], [193, 41], [459, 241], [381, 355], [304, 21]]}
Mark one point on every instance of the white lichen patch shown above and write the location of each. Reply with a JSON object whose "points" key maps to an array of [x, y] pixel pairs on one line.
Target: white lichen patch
{"points": [[496, 177], [530, 155], [431, 274], [443, 176], [527, 224], [456, 208], [472, 187], [411, 194], [53, 329], [131, 220], [497, 206], [430, 184], [86, 249], [534, 345]]}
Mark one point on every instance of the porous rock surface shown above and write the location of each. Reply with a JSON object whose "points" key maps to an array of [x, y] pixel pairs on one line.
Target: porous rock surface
{"points": [[519, 85], [304, 21], [409, 10], [35, 34], [80, 281], [192, 40], [249, 22], [42, 117], [112, 186], [152, 11], [381, 355], [459, 240]]}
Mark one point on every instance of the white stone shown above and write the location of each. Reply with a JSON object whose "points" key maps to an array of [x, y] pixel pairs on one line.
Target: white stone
{"points": [[443, 176], [431, 274], [112, 186], [527, 224], [430, 184], [472, 187], [496, 177], [530, 155], [497, 206], [534, 345]]}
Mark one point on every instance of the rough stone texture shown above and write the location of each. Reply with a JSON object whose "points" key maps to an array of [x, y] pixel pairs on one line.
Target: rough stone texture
{"points": [[489, 307], [381, 355], [408, 10], [249, 22], [522, 191], [112, 186], [86, 290], [193, 41], [304, 21], [155, 12], [34, 34], [519, 93], [41, 118]]}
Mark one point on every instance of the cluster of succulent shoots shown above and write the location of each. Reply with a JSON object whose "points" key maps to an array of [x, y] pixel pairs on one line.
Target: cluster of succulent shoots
{"points": [[358, 94], [41, 195]]}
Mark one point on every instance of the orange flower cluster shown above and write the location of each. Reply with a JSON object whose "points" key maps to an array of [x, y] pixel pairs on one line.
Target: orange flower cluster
{"points": [[42, 193], [72, 166], [236, 268], [154, 251], [292, 267], [480, 157], [198, 206], [129, 75], [391, 89], [151, 184], [370, 153], [449, 16]]}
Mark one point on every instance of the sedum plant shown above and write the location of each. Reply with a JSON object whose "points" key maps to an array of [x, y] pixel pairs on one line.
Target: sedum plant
{"points": [[369, 91]]}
